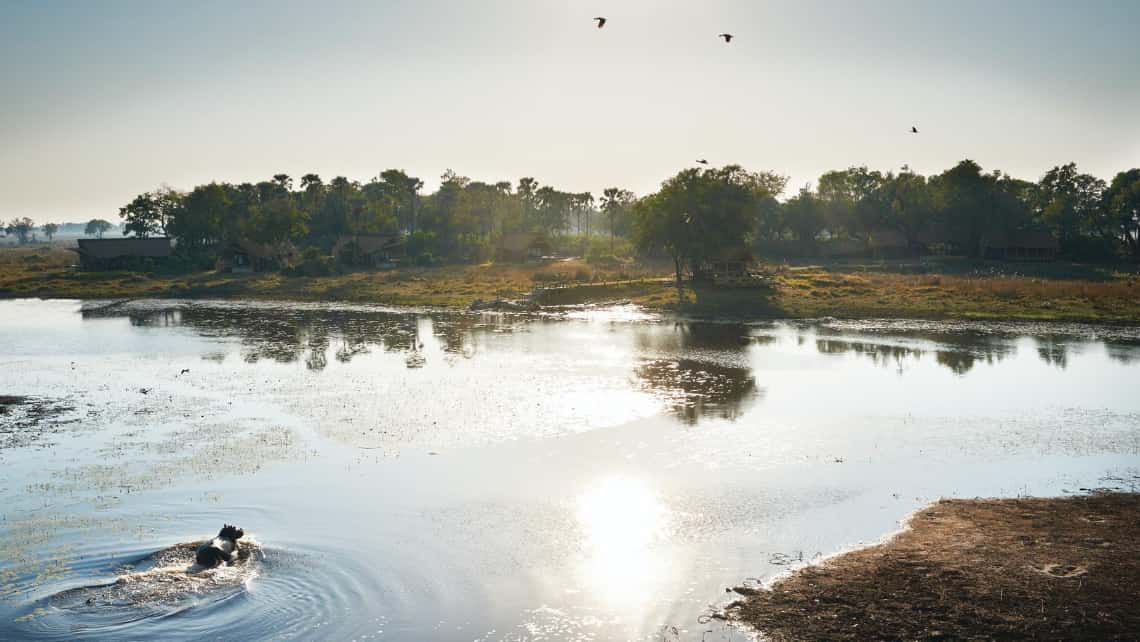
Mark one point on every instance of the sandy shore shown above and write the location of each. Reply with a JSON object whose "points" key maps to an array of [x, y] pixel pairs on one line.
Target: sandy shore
{"points": [[1008, 569]]}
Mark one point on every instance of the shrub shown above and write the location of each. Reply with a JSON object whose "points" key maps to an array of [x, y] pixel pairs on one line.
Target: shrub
{"points": [[599, 251]]}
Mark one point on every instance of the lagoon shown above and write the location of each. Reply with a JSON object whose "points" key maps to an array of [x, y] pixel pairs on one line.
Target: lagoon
{"points": [[589, 474]]}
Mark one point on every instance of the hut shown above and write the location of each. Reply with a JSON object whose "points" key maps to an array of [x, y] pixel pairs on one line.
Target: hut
{"points": [[889, 243], [521, 246], [1026, 245], [370, 250], [732, 267], [113, 254], [247, 256]]}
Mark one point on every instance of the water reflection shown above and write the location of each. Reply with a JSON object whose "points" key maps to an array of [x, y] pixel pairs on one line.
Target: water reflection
{"points": [[880, 354], [1053, 351], [696, 370], [829, 446], [958, 353], [693, 389], [699, 369], [620, 519], [308, 335], [1123, 353]]}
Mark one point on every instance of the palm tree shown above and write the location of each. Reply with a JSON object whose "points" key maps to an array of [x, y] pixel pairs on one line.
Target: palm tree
{"points": [[283, 181], [613, 200], [310, 180]]}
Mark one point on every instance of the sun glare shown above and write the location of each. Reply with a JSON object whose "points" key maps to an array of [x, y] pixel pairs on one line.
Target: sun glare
{"points": [[621, 518]]}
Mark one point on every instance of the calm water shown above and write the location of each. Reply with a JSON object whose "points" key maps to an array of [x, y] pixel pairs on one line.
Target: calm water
{"points": [[590, 476]]}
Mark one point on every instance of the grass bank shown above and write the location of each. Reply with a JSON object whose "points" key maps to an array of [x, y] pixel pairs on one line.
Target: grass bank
{"points": [[926, 290], [1013, 569]]}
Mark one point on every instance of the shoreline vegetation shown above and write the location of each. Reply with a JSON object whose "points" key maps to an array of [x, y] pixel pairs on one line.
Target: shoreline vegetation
{"points": [[932, 290], [994, 569]]}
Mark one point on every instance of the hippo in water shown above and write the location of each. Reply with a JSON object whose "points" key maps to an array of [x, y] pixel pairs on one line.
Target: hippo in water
{"points": [[222, 548]]}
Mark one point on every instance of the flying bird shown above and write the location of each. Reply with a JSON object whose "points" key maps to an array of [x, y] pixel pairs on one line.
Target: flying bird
{"points": [[702, 161], [727, 37], [184, 371], [914, 130], [601, 21]]}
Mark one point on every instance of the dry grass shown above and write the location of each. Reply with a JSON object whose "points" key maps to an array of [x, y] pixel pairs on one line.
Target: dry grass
{"points": [[1017, 569], [1069, 293], [38, 258], [807, 292]]}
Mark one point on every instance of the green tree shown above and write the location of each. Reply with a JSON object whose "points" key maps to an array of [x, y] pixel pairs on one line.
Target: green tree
{"points": [[405, 192], [962, 196], [1069, 202], [553, 210], [150, 213], [848, 201], [141, 216], [770, 224], [277, 221], [200, 223], [907, 204], [697, 214], [21, 228], [502, 201], [582, 205], [284, 182], [49, 230], [1122, 205], [527, 192], [804, 216], [96, 227], [617, 204]]}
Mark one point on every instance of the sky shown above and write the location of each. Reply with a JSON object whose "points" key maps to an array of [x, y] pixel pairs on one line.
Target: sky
{"points": [[100, 101]]}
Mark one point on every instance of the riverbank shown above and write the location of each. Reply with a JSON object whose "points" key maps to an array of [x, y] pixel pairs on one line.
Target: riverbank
{"points": [[937, 291], [1009, 569]]}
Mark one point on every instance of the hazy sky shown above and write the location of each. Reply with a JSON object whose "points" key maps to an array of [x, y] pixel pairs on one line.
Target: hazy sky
{"points": [[103, 100]]}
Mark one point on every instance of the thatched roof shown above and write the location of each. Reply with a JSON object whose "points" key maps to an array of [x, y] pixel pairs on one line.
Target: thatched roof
{"points": [[158, 247], [261, 250], [736, 254], [369, 243], [521, 241]]}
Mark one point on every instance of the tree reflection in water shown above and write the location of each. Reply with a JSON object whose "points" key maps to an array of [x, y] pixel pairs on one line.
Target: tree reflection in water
{"points": [[712, 378], [959, 353], [289, 335], [694, 389]]}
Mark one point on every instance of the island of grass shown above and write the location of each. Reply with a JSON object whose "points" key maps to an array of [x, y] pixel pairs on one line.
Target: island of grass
{"points": [[927, 289], [993, 569]]}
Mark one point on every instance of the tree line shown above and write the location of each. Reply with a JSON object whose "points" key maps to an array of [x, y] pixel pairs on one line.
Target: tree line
{"points": [[460, 220], [699, 213], [24, 229], [964, 207], [695, 214]]}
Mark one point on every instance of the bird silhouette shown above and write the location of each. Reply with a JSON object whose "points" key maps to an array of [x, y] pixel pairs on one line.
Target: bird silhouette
{"points": [[727, 37], [702, 161], [914, 130], [601, 21], [184, 371], [145, 391]]}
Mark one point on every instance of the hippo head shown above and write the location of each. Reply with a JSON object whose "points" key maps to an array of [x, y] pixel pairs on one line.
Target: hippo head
{"points": [[231, 532]]}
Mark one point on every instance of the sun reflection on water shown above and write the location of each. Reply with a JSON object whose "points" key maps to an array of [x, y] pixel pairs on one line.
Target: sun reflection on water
{"points": [[621, 519]]}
